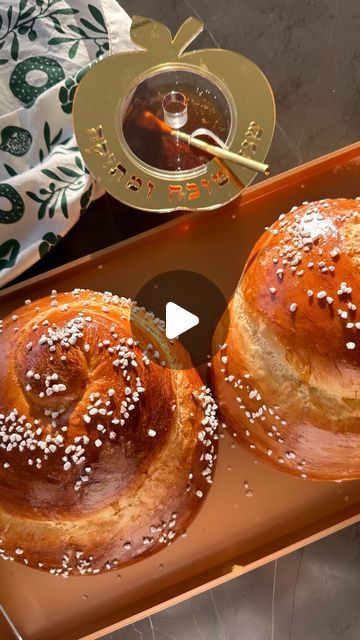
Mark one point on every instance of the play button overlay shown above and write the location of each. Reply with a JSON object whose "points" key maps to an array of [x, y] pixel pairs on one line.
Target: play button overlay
{"points": [[190, 306], [178, 320]]}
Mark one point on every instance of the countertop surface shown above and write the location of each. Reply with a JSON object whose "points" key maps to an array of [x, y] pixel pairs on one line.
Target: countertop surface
{"points": [[310, 52]]}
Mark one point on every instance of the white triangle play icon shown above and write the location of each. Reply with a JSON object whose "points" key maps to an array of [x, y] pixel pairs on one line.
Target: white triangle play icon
{"points": [[178, 320]]}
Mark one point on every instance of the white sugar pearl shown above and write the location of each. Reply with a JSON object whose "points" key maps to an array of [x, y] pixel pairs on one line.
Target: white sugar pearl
{"points": [[350, 345]]}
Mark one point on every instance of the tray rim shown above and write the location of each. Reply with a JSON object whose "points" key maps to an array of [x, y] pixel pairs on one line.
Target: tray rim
{"points": [[320, 528], [250, 194], [236, 570]]}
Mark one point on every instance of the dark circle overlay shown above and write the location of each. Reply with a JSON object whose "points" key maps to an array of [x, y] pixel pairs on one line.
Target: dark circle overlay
{"points": [[196, 294]]}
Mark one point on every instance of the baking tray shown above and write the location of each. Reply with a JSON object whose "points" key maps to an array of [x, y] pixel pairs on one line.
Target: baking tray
{"points": [[233, 533]]}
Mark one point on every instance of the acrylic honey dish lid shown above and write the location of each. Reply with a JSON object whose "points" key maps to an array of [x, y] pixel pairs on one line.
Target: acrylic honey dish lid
{"points": [[138, 115]]}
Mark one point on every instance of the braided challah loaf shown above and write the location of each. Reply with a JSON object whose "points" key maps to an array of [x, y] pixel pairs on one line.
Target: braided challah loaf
{"points": [[105, 456]]}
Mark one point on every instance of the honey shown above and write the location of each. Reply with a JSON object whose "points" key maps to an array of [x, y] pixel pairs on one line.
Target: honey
{"points": [[207, 108]]}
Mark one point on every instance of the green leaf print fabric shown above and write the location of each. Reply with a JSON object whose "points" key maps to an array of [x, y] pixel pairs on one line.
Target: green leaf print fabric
{"points": [[46, 47]]}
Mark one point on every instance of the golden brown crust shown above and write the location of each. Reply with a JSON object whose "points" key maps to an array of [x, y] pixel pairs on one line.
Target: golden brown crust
{"points": [[105, 456], [288, 379]]}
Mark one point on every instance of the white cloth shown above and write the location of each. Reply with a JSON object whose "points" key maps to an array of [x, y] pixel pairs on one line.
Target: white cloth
{"points": [[46, 46]]}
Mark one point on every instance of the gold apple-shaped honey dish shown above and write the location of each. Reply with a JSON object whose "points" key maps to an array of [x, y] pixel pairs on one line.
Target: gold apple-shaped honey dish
{"points": [[162, 129]]}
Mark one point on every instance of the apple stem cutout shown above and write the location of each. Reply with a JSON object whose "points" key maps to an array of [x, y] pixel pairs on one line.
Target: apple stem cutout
{"points": [[147, 34]]}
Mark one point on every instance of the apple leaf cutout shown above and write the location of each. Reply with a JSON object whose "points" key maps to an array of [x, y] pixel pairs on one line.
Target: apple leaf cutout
{"points": [[148, 33]]}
